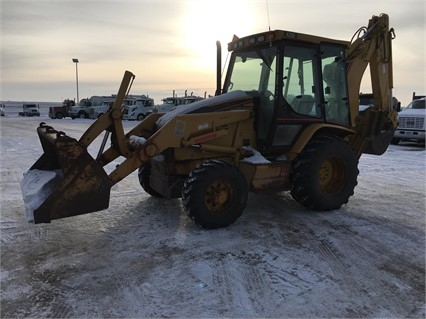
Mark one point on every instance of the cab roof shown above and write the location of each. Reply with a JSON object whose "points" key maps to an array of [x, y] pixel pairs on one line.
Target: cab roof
{"points": [[277, 35]]}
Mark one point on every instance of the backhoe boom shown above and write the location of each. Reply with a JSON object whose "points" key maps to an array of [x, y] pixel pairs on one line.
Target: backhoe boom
{"points": [[374, 127]]}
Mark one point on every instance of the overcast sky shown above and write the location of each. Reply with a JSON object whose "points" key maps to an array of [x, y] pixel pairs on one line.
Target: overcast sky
{"points": [[170, 44]]}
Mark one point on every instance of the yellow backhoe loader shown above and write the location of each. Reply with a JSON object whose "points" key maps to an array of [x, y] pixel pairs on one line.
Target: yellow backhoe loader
{"points": [[287, 118]]}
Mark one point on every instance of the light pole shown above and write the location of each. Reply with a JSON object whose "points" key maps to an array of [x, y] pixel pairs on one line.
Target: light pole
{"points": [[76, 76]]}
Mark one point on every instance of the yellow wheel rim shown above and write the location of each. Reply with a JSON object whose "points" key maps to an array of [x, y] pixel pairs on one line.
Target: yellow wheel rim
{"points": [[218, 196], [332, 175]]}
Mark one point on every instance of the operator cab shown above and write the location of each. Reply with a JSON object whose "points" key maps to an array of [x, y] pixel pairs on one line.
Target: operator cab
{"points": [[296, 80]]}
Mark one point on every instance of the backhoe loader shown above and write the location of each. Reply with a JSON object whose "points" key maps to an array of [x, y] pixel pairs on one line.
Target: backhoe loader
{"points": [[287, 118]]}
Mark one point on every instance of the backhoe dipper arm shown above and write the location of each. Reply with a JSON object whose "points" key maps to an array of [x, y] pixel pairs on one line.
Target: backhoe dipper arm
{"points": [[372, 48]]}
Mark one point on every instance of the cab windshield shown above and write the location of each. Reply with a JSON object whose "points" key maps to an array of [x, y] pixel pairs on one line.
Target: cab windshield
{"points": [[312, 85], [417, 104], [253, 71], [144, 103]]}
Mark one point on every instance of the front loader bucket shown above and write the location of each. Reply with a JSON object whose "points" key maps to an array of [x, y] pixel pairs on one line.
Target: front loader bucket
{"points": [[65, 181]]}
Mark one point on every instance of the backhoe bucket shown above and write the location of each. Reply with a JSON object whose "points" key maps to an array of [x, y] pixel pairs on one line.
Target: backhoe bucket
{"points": [[378, 144], [65, 181]]}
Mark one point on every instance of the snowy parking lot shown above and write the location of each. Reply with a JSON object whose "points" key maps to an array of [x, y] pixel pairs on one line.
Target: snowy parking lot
{"points": [[143, 257]]}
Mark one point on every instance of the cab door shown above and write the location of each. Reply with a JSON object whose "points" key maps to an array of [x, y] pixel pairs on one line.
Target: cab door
{"points": [[313, 90], [299, 96]]}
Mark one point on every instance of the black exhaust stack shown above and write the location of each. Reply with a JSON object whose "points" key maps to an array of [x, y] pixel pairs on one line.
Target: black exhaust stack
{"points": [[218, 68]]}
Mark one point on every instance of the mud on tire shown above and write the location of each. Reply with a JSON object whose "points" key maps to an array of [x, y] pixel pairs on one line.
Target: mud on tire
{"points": [[215, 194], [324, 174]]}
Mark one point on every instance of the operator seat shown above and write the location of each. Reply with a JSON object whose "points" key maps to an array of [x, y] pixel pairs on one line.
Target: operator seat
{"points": [[336, 105], [303, 104]]}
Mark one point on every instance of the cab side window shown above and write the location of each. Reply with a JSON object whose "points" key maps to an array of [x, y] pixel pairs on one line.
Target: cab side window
{"points": [[301, 87], [334, 84]]}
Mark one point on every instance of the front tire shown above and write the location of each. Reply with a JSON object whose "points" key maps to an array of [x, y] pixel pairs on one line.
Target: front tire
{"points": [[324, 174], [215, 194], [144, 175]]}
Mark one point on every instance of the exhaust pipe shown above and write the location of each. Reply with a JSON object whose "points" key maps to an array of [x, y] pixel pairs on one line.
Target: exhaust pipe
{"points": [[218, 68]]}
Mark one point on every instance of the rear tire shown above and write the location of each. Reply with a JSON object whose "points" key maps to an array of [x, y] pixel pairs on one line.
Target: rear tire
{"points": [[215, 194], [144, 175], [324, 174]]}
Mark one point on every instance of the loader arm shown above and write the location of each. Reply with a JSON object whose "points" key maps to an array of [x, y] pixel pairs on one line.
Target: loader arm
{"points": [[181, 131], [111, 120], [372, 48]]}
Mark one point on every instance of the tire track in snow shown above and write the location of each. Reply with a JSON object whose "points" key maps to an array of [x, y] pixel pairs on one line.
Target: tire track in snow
{"points": [[240, 282], [46, 295]]}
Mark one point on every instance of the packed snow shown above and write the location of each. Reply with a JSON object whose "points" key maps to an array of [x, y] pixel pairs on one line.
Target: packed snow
{"points": [[144, 258], [36, 186], [137, 140], [256, 158]]}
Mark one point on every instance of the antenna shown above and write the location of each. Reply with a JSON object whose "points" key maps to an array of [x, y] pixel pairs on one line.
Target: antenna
{"points": [[267, 12], [269, 23]]}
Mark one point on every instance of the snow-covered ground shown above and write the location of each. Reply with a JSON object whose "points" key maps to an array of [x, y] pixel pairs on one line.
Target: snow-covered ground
{"points": [[143, 257]]}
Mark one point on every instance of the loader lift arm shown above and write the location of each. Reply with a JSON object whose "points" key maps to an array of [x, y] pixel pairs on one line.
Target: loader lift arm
{"points": [[111, 121], [139, 145], [142, 145]]}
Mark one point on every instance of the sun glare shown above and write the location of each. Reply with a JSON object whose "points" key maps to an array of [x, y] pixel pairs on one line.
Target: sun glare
{"points": [[206, 22]]}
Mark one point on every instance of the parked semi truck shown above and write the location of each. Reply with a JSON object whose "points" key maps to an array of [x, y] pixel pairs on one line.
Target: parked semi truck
{"points": [[97, 111], [59, 112], [138, 110]]}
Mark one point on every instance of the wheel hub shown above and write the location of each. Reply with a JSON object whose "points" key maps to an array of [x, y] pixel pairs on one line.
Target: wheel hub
{"points": [[218, 196], [332, 175]]}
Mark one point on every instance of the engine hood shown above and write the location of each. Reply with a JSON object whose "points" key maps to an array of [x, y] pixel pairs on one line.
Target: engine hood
{"points": [[214, 104], [412, 112]]}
